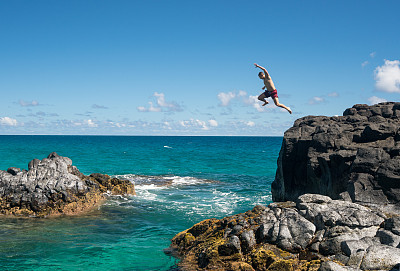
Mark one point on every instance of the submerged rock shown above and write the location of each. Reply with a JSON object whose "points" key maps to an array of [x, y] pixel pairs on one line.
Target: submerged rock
{"points": [[53, 186]]}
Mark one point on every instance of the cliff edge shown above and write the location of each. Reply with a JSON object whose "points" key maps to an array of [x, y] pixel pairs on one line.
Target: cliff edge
{"points": [[354, 157]]}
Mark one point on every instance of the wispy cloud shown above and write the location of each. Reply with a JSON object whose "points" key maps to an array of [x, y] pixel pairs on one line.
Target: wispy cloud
{"points": [[333, 94], [248, 100], [90, 123], [365, 63], [375, 100], [250, 123], [199, 124], [28, 104], [162, 105], [387, 76], [225, 98], [213, 123], [42, 114], [85, 123], [7, 121], [86, 114], [96, 106], [254, 102], [316, 100], [151, 108]]}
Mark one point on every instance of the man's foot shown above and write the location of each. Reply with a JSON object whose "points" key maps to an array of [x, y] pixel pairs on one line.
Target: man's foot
{"points": [[265, 103]]}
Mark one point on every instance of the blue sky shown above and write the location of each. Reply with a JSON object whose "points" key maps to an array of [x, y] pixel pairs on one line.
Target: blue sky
{"points": [[186, 67]]}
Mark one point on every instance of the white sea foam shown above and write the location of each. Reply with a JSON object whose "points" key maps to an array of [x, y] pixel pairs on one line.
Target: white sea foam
{"points": [[167, 147], [160, 182], [189, 195], [176, 180]]}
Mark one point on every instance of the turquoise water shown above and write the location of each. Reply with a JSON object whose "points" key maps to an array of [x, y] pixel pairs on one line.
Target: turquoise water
{"points": [[179, 181]]}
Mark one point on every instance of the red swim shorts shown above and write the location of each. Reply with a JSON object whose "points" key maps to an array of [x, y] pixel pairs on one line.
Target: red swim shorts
{"points": [[272, 94]]}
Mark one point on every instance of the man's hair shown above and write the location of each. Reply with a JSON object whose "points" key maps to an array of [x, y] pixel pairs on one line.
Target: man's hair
{"points": [[260, 73]]}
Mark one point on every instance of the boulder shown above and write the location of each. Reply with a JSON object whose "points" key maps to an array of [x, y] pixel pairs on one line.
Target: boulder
{"points": [[52, 186], [380, 257]]}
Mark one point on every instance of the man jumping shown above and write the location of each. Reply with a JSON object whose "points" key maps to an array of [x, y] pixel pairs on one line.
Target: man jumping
{"points": [[270, 90]]}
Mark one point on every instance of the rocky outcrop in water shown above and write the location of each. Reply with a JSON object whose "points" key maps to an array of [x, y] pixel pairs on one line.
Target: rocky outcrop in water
{"points": [[337, 203], [354, 157], [313, 233], [54, 186]]}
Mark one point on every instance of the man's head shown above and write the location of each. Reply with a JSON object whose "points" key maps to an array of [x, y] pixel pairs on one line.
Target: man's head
{"points": [[261, 75]]}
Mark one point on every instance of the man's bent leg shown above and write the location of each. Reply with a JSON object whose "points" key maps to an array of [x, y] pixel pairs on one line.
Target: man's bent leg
{"points": [[276, 101], [262, 98]]}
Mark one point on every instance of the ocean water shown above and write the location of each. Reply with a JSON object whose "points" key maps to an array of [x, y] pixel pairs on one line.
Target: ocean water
{"points": [[179, 181]]}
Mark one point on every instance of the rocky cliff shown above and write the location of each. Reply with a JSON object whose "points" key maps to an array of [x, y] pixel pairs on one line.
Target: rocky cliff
{"points": [[337, 203], [353, 157], [53, 186]]}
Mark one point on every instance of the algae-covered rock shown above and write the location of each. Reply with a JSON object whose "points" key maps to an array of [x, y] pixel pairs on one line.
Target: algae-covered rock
{"points": [[354, 243], [230, 244]]}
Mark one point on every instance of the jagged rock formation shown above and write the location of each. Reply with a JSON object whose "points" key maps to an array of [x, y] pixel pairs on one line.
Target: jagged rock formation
{"points": [[354, 157], [313, 233], [337, 202], [53, 186]]}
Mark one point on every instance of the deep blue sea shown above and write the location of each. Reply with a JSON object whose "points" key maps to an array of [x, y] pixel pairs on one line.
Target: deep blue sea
{"points": [[179, 181]]}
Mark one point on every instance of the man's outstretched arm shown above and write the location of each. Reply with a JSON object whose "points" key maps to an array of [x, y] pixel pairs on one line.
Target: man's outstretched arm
{"points": [[262, 68]]}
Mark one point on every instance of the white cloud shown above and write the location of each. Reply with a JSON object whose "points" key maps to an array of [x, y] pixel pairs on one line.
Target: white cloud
{"points": [[213, 123], [226, 98], [388, 76], [151, 108], [202, 124], [161, 100], [375, 100], [250, 100], [90, 123], [316, 100], [372, 55], [254, 102], [8, 121], [26, 104], [162, 105], [195, 123], [365, 63], [250, 123]]}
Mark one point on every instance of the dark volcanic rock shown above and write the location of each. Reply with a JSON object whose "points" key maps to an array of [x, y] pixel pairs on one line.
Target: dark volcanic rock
{"points": [[53, 186], [353, 157]]}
